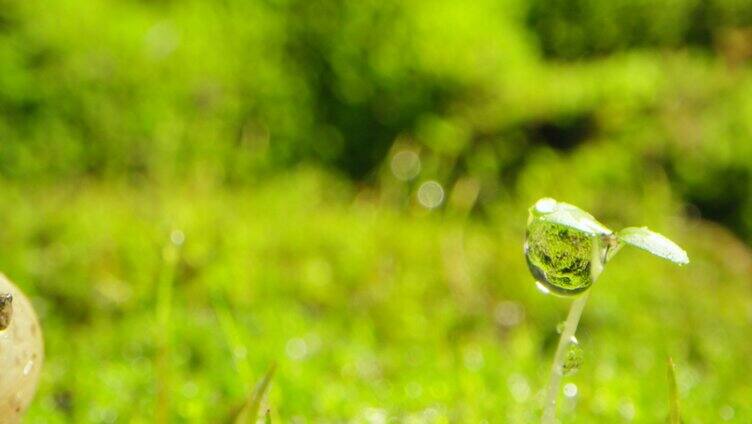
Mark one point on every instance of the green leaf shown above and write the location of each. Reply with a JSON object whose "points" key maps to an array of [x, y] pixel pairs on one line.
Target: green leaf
{"points": [[549, 210], [654, 243], [673, 395], [250, 411]]}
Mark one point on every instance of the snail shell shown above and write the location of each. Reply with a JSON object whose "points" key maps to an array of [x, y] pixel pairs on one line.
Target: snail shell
{"points": [[21, 352]]}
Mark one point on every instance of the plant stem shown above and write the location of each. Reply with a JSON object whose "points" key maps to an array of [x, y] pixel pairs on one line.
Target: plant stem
{"points": [[570, 327]]}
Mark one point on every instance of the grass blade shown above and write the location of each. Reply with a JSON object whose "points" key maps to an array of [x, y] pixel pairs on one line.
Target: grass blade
{"points": [[673, 394], [164, 299], [250, 411]]}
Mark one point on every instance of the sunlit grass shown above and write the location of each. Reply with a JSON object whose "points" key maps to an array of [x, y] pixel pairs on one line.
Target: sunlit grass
{"points": [[360, 305]]}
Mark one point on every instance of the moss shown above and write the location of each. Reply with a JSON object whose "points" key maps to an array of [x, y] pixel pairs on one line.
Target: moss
{"points": [[559, 257]]}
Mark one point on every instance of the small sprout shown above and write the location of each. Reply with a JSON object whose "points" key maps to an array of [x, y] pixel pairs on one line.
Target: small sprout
{"points": [[559, 245], [6, 310], [566, 250]]}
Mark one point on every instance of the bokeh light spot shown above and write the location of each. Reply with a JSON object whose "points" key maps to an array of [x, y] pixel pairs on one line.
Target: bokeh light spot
{"points": [[430, 194], [405, 165]]}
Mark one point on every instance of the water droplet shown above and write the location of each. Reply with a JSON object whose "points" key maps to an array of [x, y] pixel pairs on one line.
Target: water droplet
{"points": [[573, 359], [570, 390], [559, 257], [560, 327], [430, 194]]}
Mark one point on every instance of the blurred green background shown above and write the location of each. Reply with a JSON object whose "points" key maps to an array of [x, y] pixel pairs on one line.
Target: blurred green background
{"points": [[194, 190]]}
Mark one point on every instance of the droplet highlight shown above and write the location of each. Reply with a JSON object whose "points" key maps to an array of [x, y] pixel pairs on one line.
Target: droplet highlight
{"points": [[570, 390], [542, 288]]}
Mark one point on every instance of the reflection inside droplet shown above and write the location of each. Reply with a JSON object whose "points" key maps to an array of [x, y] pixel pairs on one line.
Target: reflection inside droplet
{"points": [[559, 257]]}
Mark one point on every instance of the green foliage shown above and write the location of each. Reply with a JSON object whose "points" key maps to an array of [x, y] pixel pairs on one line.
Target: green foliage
{"points": [[235, 91], [250, 412], [577, 28], [368, 309], [124, 120], [558, 238]]}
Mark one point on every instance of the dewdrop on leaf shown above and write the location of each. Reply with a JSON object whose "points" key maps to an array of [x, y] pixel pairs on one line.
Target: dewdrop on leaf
{"points": [[559, 246]]}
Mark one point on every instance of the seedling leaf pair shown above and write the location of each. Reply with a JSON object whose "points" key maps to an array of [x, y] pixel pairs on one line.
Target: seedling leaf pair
{"points": [[566, 249], [564, 214]]}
